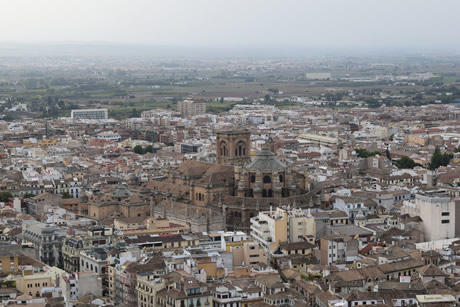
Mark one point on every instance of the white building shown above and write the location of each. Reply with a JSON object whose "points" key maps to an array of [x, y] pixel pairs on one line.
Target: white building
{"points": [[90, 114], [438, 215], [109, 136], [318, 75], [94, 260], [270, 228], [191, 107]]}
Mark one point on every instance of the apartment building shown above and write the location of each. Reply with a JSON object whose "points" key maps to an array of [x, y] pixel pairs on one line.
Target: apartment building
{"points": [[95, 114], [147, 287], [438, 214], [338, 248], [184, 291], [9, 255], [224, 296], [250, 254], [73, 245], [94, 260], [153, 268], [47, 241], [270, 228], [191, 107], [33, 284]]}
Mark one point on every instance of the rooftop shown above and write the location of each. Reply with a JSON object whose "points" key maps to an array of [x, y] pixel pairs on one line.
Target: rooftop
{"points": [[265, 161]]}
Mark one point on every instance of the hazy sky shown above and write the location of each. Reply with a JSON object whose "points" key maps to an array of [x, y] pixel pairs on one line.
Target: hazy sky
{"points": [[239, 23]]}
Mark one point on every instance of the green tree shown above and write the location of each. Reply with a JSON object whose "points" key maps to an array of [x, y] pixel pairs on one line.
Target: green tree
{"points": [[28, 195], [66, 195], [405, 162], [5, 197], [139, 150], [363, 153], [149, 148], [439, 159], [391, 138]]}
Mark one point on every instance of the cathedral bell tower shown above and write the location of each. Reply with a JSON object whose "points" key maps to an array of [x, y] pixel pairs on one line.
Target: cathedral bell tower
{"points": [[233, 147]]}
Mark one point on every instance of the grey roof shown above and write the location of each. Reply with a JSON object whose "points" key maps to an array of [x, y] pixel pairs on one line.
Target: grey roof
{"points": [[350, 230], [121, 192], [10, 250], [265, 161]]}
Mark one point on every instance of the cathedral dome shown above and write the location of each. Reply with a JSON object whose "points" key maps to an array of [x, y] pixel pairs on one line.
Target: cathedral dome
{"points": [[265, 161]]}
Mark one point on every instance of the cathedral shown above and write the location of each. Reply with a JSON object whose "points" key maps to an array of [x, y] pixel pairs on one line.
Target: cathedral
{"points": [[226, 194]]}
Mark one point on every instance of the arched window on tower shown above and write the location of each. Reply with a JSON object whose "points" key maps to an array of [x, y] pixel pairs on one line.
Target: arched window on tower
{"points": [[267, 179], [223, 148], [281, 178], [240, 149], [253, 178]]}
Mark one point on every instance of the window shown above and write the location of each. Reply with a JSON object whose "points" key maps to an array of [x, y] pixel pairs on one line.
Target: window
{"points": [[267, 179], [445, 221], [281, 178], [253, 178], [445, 213]]}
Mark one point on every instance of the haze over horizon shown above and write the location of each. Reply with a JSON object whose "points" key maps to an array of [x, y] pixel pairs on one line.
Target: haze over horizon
{"points": [[238, 24]]}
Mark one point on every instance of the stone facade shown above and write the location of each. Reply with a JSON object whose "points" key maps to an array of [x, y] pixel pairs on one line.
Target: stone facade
{"points": [[121, 200], [233, 147]]}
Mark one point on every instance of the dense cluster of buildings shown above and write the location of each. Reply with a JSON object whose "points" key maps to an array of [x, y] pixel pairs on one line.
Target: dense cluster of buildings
{"points": [[254, 207]]}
